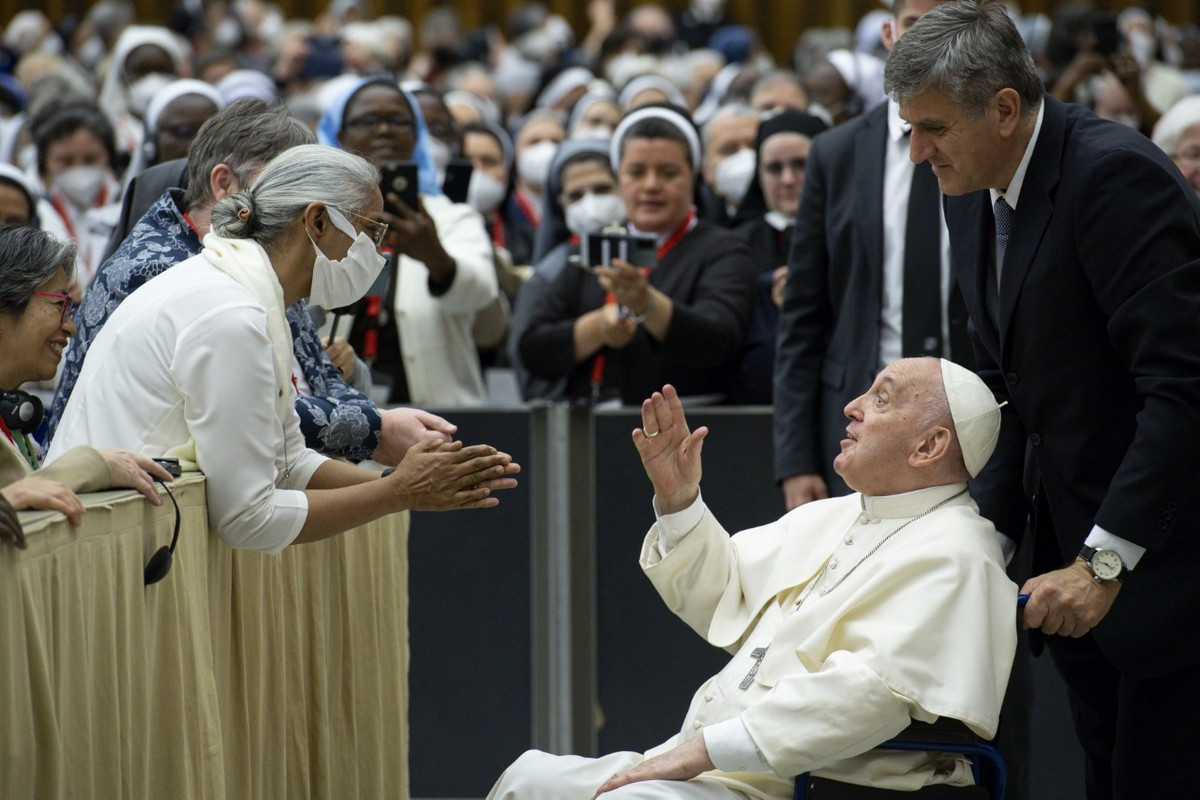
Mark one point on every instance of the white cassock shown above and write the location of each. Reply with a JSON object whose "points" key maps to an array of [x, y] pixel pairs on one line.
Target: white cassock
{"points": [[898, 619]]}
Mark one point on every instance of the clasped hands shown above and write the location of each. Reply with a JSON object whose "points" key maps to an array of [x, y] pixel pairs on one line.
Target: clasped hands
{"points": [[1067, 601]]}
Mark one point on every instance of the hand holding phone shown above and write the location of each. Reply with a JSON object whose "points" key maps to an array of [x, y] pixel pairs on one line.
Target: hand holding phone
{"points": [[399, 178]]}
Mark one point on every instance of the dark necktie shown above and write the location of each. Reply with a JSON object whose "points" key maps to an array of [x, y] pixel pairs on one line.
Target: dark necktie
{"points": [[921, 321], [1004, 219]]}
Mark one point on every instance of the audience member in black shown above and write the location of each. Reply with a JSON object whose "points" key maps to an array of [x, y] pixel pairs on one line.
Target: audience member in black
{"points": [[768, 214]]}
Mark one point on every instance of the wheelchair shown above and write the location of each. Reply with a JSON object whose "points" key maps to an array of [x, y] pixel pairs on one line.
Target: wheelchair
{"points": [[946, 736]]}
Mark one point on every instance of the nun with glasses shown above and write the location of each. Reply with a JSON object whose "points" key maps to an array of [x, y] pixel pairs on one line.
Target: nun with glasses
{"points": [[441, 270]]}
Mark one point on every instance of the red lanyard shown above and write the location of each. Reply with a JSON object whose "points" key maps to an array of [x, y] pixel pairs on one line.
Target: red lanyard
{"points": [[675, 238], [527, 208], [498, 231], [7, 432]]}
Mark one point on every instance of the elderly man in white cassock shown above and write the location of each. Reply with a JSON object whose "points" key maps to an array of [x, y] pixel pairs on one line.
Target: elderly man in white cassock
{"points": [[846, 619]]}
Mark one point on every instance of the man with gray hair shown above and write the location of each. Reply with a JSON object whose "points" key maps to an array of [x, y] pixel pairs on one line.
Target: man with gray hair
{"points": [[846, 619], [1075, 242], [226, 155]]}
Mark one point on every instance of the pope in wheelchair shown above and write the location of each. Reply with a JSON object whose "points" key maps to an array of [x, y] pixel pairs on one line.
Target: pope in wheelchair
{"points": [[847, 618]]}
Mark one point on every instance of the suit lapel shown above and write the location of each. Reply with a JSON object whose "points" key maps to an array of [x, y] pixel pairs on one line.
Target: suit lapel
{"points": [[1034, 209], [868, 179], [970, 258]]}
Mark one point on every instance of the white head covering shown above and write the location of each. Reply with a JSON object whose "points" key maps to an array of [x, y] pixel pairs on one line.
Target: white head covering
{"points": [[248, 84], [163, 98], [862, 73], [644, 82], [563, 84], [975, 412], [666, 115], [114, 95], [1172, 125]]}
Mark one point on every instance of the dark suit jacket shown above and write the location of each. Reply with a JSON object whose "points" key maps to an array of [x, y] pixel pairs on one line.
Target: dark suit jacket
{"points": [[828, 347], [141, 193], [1098, 351]]}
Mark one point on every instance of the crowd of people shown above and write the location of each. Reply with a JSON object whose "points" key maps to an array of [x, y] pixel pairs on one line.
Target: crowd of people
{"points": [[309, 228]]}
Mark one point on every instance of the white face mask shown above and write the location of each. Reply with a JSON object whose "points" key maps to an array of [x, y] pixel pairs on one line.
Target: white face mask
{"points": [[593, 213], [533, 164], [144, 88], [81, 185], [1142, 45], [340, 283], [592, 132], [439, 154], [733, 175], [485, 193]]}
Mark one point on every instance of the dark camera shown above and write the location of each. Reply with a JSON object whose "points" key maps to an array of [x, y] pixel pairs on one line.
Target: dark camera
{"points": [[599, 249], [1105, 34]]}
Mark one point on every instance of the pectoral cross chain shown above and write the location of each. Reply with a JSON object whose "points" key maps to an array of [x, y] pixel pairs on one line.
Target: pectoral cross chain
{"points": [[757, 654]]}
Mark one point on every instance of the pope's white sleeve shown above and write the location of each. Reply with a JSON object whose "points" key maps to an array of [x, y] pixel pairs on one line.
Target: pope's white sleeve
{"points": [[732, 749], [809, 720], [224, 370]]}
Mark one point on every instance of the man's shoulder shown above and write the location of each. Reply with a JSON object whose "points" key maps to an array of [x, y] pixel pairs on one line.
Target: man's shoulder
{"points": [[841, 140]]}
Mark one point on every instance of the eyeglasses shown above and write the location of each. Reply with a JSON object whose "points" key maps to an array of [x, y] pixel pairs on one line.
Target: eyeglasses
{"points": [[379, 230], [776, 168], [369, 122], [65, 304]]}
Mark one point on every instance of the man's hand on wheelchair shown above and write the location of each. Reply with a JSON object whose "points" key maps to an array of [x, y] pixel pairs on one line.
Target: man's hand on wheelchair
{"points": [[681, 763], [1068, 601]]}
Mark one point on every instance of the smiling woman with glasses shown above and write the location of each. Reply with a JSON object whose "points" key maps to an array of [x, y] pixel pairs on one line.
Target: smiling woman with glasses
{"points": [[35, 325], [441, 273]]}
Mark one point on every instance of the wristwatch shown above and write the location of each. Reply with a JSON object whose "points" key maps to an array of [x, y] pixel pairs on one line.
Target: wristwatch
{"points": [[1106, 565]]}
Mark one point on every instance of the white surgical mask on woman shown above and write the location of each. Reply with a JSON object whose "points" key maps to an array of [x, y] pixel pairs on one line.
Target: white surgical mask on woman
{"points": [[593, 213], [81, 185], [733, 175], [439, 154], [485, 193], [342, 282], [533, 163]]}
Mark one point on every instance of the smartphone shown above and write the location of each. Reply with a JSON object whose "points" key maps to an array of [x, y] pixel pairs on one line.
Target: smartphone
{"points": [[399, 178], [171, 465], [458, 178], [1106, 34], [599, 249]]}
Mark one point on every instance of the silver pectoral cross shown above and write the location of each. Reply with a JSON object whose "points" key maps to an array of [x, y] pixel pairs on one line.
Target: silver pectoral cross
{"points": [[757, 654]]}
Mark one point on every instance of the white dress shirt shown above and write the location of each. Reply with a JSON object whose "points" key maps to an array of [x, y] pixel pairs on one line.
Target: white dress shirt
{"points": [[897, 184]]}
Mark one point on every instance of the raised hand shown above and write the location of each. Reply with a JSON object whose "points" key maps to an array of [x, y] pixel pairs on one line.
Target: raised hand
{"points": [[670, 452]]}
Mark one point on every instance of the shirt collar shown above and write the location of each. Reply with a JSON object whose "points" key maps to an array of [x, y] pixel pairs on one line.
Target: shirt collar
{"points": [[897, 127], [909, 504], [1013, 193]]}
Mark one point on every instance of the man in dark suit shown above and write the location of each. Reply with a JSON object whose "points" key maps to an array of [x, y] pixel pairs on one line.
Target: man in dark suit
{"points": [[845, 312], [1076, 242]]}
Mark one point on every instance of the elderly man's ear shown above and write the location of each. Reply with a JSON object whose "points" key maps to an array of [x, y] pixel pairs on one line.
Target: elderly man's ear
{"points": [[932, 449]]}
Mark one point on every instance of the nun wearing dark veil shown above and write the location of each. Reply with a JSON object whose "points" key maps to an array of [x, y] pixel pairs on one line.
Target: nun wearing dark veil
{"points": [[768, 215]]}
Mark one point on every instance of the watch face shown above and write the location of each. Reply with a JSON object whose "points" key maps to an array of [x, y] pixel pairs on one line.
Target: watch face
{"points": [[1106, 564]]}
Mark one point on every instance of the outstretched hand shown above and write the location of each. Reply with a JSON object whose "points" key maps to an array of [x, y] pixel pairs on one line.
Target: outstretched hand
{"points": [[670, 452], [436, 475]]}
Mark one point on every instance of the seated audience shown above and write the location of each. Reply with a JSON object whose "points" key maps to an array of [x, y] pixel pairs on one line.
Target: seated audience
{"points": [[35, 324], [582, 179], [75, 160], [768, 214], [537, 141], [618, 331], [442, 274], [173, 118], [1178, 134], [227, 155], [18, 199], [197, 365], [847, 619]]}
